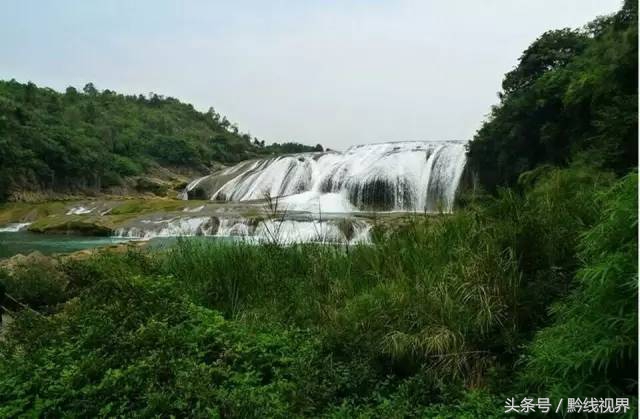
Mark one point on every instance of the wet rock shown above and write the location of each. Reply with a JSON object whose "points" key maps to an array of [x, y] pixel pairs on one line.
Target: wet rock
{"points": [[209, 227]]}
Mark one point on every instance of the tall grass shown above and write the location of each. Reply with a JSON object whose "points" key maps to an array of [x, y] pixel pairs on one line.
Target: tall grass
{"points": [[453, 293]]}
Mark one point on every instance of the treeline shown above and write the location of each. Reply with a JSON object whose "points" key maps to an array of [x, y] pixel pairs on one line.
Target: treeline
{"points": [[572, 97], [93, 139]]}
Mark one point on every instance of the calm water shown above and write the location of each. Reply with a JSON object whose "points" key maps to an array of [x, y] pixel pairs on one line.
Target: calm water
{"points": [[25, 242]]}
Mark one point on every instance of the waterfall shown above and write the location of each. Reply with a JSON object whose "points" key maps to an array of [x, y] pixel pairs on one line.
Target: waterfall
{"points": [[396, 176], [341, 231], [420, 176], [14, 227]]}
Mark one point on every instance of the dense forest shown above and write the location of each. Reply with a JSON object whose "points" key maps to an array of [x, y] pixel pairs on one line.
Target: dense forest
{"points": [[81, 140], [528, 290], [572, 97]]}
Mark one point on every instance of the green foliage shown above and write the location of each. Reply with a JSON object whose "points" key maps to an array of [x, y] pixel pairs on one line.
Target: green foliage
{"points": [[592, 345], [573, 96], [137, 347], [286, 148], [92, 140], [531, 290], [554, 49], [473, 404], [431, 320], [37, 282]]}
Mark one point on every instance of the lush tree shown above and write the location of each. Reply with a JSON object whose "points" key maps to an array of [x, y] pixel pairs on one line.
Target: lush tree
{"points": [[90, 89], [91, 139], [552, 50], [573, 96]]}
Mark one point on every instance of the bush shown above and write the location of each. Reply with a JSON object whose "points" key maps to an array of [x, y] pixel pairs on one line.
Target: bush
{"points": [[591, 347], [36, 282], [136, 346]]}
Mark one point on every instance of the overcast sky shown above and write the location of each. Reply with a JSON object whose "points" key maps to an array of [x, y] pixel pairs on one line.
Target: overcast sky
{"points": [[334, 72]]}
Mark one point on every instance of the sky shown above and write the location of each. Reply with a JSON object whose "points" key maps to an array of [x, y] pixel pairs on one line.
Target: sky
{"points": [[332, 72]]}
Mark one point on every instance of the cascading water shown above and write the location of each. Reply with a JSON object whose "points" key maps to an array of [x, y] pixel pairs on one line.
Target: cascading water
{"points": [[401, 176], [14, 227], [318, 192], [346, 231]]}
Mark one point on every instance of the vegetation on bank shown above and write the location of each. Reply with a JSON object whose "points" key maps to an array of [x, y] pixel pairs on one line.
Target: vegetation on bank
{"points": [[528, 294], [91, 140], [530, 291]]}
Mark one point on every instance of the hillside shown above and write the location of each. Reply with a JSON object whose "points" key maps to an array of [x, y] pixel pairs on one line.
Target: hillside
{"points": [[90, 141]]}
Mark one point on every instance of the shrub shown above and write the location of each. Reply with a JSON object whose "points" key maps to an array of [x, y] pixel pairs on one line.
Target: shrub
{"points": [[136, 346], [36, 282], [591, 347]]}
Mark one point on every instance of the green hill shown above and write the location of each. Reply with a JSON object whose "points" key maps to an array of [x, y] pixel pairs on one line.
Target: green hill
{"points": [[91, 140]]}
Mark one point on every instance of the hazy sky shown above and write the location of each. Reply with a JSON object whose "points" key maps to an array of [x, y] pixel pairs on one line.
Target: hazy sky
{"points": [[334, 72]]}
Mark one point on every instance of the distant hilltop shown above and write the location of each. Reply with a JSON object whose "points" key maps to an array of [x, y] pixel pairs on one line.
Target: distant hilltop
{"points": [[93, 141]]}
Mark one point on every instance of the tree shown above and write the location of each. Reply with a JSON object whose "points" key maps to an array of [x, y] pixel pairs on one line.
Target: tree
{"points": [[78, 140], [90, 89], [71, 94], [30, 93], [573, 96], [215, 116], [551, 50]]}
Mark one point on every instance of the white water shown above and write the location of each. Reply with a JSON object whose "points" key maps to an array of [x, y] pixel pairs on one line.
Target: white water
{"points": [[267, 231], [14, 227], [190, 186], [80, 210], [403, 176], [195, 226], [290, 231], [196, 209], [233, 228]]}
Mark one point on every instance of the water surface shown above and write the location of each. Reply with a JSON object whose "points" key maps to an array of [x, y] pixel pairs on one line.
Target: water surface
{"points": [[25, 242]]}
